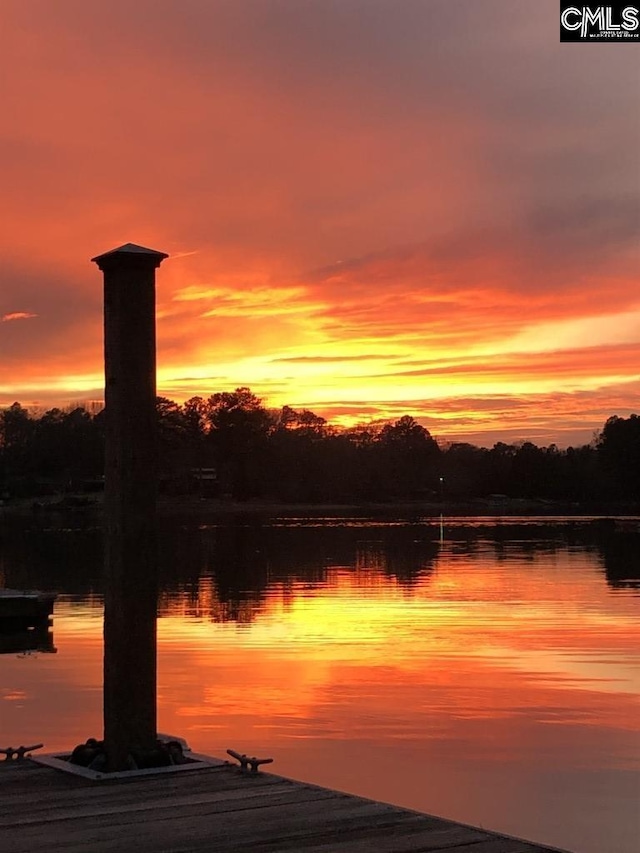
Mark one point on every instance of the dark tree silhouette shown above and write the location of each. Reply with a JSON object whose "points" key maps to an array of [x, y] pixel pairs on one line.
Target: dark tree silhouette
{"points": [[238, 427], [16, 438], [407, 459], [296, 456], [619, 451]]}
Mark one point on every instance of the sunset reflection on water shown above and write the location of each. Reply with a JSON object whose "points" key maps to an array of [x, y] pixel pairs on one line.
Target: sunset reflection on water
{"points": [[493, 683]]}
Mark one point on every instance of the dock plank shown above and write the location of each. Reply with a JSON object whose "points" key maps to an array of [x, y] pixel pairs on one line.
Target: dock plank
{"points": [[419, 842], [389, 840], [72, 789], [198, 805], [216, 808]]}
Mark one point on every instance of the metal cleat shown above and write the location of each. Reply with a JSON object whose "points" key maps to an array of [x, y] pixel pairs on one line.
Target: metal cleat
{"points": [[248, 763], [19, 752]]}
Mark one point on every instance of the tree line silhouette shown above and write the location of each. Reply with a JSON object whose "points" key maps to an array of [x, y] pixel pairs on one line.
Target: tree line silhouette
{"points": [[250, 452]]}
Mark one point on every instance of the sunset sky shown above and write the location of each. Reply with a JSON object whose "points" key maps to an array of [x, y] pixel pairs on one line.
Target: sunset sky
{"points": [[372, 207]]}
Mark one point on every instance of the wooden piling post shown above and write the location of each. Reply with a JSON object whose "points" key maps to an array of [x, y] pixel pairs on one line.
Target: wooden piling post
{"points": [[130, 501]]}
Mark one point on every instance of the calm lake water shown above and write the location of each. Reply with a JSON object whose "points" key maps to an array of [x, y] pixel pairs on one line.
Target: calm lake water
{"points": [[481, 670]]}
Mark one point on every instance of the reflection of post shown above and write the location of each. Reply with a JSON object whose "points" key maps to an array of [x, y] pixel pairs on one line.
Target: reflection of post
{"points": [[130, 501]]}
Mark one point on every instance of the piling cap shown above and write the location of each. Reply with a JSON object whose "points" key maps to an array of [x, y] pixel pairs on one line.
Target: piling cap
{"points": [[128, 253]]}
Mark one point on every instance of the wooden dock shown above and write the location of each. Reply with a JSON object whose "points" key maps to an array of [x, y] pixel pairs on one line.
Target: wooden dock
{"points": [[217, 809], [25, 621], [25, 606]]}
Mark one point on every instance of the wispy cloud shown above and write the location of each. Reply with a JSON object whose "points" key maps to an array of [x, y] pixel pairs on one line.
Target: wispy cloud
{"points": [[17, 315]]}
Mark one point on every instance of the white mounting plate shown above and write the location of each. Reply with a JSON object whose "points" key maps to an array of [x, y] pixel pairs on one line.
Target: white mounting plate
{"points": [[195, 761]]}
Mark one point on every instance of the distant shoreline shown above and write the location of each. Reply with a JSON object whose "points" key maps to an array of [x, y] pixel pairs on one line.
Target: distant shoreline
{"points": [[192, 507]]}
